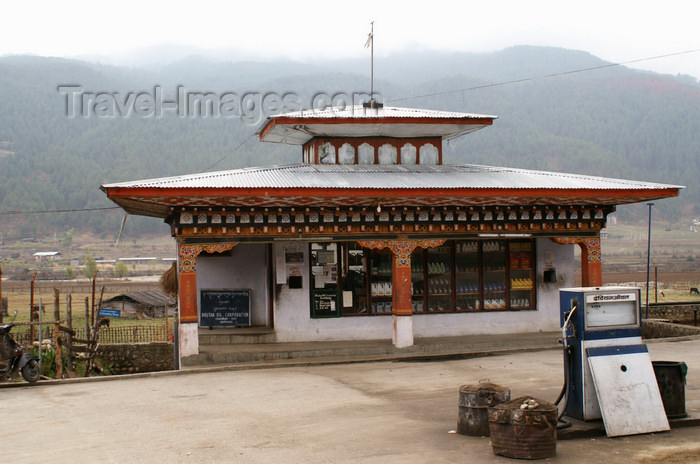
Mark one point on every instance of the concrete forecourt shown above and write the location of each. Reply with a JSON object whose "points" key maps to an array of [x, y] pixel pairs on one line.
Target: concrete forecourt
{"points": [[376, 412]]}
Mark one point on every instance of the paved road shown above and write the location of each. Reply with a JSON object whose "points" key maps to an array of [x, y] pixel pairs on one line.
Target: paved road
{"points": [[387, 412]]}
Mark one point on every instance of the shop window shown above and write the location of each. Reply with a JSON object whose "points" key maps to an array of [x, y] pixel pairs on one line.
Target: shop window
{"points": [[458, 276], [381, 286], [324, 279], [354, 280], [439, 274], [467, 276]]}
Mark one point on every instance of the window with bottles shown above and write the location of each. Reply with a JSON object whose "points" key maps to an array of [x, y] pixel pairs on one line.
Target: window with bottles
{"points": [[458, 276]]}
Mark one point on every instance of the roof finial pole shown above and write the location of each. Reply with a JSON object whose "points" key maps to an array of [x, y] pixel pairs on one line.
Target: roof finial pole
{"points": [[370, 43]]}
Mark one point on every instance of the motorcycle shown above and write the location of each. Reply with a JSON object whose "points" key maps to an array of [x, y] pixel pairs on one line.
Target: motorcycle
{"points": [[17, 359]]}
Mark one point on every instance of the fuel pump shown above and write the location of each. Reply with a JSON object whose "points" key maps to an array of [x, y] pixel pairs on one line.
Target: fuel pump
{"points": [[607, 367]]}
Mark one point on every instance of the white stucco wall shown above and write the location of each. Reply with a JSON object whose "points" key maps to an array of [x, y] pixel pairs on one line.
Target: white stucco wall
{"points": [[293, 321], [245, 268]]}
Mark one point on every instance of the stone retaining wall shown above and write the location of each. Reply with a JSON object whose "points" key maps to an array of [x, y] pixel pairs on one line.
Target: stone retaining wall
{"points": [[137, 357], [681, 312], [658, 329]]}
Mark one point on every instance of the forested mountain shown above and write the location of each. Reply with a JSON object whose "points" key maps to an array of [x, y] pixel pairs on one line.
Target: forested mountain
{"points": [[607, 120]]}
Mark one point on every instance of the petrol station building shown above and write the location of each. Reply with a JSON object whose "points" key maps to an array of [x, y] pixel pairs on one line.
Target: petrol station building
{"points": [[372, 236]]}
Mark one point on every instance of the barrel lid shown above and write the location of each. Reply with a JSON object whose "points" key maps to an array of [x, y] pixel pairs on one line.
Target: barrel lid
{"points": [[537, 405], [483, 387]]}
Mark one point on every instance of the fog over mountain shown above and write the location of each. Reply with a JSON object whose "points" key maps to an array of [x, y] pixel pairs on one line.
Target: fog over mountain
{"points": [[69, 125]]}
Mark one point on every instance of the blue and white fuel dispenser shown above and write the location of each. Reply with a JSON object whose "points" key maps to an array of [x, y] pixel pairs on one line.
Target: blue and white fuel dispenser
{"points": [[609, 371]]}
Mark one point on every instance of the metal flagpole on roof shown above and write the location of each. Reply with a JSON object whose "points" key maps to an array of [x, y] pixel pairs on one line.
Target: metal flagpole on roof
{"points": [[370, 43]]}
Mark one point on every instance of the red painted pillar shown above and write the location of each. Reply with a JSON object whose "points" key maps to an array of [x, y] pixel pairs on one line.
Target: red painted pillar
{"points": [[402, 304], [187, 282], [591, 262]]}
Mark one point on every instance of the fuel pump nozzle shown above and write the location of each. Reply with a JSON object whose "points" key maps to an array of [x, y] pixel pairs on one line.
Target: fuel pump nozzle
{"points": [[567, 362], [567, 322]]}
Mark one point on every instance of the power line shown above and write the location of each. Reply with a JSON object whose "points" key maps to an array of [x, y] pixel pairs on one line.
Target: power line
{"points": [[229, 153], [534, 78], [58, 210]]}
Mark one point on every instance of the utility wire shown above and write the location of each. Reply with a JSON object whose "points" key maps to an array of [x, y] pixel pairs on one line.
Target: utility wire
{"points": [[230, 153], [3, 213], [534, 78]]}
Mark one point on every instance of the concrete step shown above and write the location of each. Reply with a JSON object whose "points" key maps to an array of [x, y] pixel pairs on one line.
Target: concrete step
{"points": [[244, 335], [357, 350]]}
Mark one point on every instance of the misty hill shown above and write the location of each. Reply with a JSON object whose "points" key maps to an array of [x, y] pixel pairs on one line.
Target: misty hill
{"points": [[608, 120]]}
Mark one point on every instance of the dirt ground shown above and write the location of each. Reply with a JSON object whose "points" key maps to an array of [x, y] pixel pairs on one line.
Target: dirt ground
{"points": [[383, 413]]}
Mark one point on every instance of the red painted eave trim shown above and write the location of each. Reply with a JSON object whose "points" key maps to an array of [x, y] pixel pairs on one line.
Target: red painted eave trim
{"points": [[375, 193], [287, 120]]}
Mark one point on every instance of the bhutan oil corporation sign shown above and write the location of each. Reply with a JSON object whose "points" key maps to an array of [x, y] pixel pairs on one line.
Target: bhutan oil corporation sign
{"points": [[225, 308]]}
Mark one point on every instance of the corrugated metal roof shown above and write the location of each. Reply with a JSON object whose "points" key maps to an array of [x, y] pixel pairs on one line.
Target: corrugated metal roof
{"points": [[154, 298], [359, 111], [298, 127], [389, 177]]}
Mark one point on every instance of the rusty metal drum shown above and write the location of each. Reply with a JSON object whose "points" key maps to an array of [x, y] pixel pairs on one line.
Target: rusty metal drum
{"points": [[474, 401], [524, 428]]}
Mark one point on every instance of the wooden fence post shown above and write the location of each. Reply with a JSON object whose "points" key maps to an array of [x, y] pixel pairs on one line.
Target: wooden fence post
{"points": [[94, 279], [69, 324], [57, 332], [87, 317], [31, 310]]}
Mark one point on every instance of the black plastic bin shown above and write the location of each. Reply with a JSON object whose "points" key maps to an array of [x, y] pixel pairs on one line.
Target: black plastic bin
{"points": [[670, 375]]}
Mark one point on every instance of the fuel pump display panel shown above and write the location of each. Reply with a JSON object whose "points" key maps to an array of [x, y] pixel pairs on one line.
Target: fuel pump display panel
{"points": [[611, 310]]}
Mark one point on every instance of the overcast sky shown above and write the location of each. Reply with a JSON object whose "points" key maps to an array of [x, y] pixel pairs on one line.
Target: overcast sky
{"points": [[614, 30]]}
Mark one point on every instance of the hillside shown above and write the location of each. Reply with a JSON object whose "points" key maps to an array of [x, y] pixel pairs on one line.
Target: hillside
{"points": [[609, 121]]}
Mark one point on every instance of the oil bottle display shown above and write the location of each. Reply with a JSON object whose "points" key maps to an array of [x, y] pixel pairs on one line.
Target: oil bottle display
{"points": [[457, 276], [467, 281], [439, 267], [381, 287], [521, 277], [494, 265]]}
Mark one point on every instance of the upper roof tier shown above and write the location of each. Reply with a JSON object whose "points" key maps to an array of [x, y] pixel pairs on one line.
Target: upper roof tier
{"points": [[299, 127]]}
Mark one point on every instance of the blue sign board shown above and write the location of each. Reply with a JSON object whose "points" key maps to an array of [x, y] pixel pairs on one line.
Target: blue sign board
{"points": [[109, 312]]}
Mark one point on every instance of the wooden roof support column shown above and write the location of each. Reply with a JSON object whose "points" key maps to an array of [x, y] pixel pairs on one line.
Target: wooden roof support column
{"points": [[402, 304], [591, 258], [187, 291]]}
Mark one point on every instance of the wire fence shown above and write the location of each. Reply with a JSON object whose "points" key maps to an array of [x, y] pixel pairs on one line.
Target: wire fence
{"points": [[108, 335]]}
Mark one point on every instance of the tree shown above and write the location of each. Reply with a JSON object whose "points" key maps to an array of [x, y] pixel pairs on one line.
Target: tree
{"points": [[90, 268], [67, 239], [70, 273], [121, 270]]}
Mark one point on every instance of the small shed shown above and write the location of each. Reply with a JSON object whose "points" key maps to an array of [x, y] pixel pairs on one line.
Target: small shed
{"points": [[142, 305], [46, 255]]}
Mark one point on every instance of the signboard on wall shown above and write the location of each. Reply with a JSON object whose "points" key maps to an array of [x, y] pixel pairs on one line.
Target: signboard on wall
{"points": [[325, 303], [225, 308]]}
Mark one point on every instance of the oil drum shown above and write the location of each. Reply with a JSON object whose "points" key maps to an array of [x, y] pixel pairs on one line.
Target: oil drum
{"points": [[474, 401], [524, 428]]}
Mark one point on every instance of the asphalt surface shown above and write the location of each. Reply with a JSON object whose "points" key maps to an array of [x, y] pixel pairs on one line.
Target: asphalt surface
{"points": [[379, 412]]}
